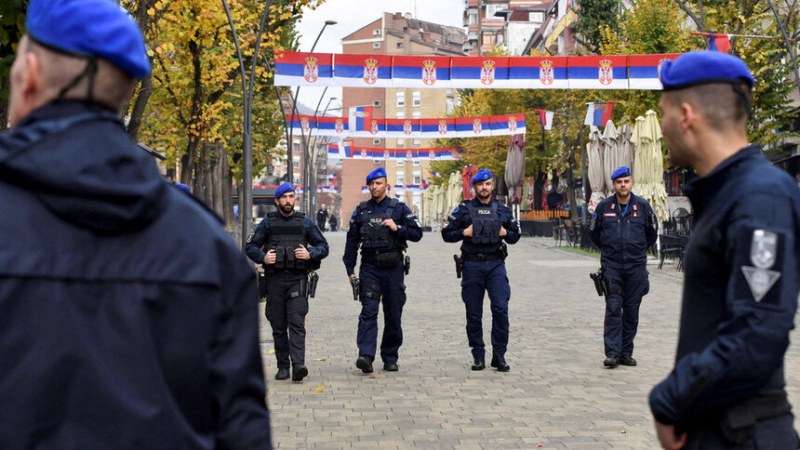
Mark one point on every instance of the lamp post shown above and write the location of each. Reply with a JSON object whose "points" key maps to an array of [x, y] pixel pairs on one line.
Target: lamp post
{"points": [[245, 191], [289, 168], [311, 162]]}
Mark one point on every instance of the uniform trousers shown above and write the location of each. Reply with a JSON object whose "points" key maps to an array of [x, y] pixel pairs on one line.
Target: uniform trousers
{"points": [[622, 309], [381, 286], [287, 307], [479, 277]]}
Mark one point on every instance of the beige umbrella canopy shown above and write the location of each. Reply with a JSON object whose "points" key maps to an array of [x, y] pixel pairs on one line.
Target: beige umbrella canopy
{"points": [[613, 157], [648, 167], [596, 175], [515, 168]]}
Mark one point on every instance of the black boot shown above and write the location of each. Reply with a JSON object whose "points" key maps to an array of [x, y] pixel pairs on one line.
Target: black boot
{"points": [[500, 364]]}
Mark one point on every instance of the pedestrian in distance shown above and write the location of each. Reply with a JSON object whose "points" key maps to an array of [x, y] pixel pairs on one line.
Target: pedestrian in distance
{"points": [[623, 227], [484, 225], [129, 317], [334, 222], [290, 247], [381, 227], [727, 388], [322, 217]]}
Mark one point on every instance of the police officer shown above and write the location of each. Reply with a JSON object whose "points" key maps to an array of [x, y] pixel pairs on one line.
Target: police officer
{"points": [[727, 389], [623, 227], [289, 245], [483, 224], [128, 314], [381, 226]]}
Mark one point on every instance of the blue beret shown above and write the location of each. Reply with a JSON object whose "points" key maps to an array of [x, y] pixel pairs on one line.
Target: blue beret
{"points": [[87, 28], [183, 187], [482, 175], [704, 67], [621, 171], [283, 188], [380, 172]]}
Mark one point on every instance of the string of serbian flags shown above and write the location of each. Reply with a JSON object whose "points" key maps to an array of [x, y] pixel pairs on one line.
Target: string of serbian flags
{"points": [[345, 149], [638, 72], [362, 123]]}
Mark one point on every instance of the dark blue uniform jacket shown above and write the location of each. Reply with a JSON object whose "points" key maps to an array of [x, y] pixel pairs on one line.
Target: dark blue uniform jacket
{"points": [[460, 219], [740, 290], [623, 235], [402, 216], [129, 318]]}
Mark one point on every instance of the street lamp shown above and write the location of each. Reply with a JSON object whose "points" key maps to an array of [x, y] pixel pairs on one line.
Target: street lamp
{"points": [[245, 190], [310, 172], [289, 169]]}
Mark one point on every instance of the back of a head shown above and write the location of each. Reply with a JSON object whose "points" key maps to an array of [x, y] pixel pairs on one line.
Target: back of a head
{"points": [[717, 84], [91, 49]]}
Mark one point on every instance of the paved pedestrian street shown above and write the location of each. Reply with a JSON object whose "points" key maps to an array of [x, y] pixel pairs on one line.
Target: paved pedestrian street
{"points": [[557, 394]]}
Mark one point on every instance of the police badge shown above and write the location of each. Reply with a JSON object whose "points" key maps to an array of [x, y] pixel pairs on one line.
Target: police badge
{"points": [[763, 254]]}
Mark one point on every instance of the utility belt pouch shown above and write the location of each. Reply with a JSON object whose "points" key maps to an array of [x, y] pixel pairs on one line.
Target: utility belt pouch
{"points": [[280, 258], [313, 278], [388, 260], [407, 264]]}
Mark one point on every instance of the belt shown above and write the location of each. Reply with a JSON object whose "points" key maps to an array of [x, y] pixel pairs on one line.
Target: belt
{"points": [[481, 256]]}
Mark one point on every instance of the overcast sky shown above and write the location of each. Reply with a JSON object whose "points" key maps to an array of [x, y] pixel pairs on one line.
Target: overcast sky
{"points": [[351, 15]]}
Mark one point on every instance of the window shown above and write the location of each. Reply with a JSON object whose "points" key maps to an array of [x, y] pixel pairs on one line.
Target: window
{"points": [[416, 142], [417, 177], [401, 142], [473, 17], [493, 8], [401, 114], [295, 162], [416, 98], [376, 103], [401, 177], [376, 161], [399, 45], [295, 148], [535, 17], [416, 162], [416, 114], [296, 179], [376, 45], [376, 141], [376, 32], [401, 99], [401, 163]]}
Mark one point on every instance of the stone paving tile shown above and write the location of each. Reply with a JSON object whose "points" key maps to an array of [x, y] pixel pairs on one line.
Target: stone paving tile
{"points": [[558, 394]]}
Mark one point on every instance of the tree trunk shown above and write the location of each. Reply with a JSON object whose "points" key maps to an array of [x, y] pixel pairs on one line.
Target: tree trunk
{"points": [[139, 105]]}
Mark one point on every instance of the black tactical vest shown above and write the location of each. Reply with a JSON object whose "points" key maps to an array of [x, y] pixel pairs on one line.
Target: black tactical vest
{"points": [[374, 236], [485, 223], [284, 237]]}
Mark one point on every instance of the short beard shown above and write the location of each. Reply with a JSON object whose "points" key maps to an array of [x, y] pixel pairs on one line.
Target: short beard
{"points": [[287, 208]]}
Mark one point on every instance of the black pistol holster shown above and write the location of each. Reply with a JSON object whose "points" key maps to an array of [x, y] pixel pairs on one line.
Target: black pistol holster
{"points": [[601, 284], [355, 284], [459, 265], [313, 278], [407, 264]]}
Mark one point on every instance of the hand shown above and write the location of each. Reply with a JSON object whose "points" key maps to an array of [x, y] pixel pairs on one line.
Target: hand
{"points": [[503, 231], [668, 437], [270, 257], [351, 278], [301, 253], [468, 231], [389, 223]]}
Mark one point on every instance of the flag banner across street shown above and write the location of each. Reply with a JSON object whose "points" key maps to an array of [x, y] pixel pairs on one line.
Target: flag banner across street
{"points": [[639, 72], [344, 149]]}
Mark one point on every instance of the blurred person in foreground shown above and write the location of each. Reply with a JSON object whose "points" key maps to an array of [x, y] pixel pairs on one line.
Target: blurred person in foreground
{"points": [[129, 318], [727, 389]]}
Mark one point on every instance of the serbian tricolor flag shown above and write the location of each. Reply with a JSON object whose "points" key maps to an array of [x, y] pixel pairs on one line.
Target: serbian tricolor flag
{"points": [[719, 42], [599, 113], [331, 126], [597, 72], [301, 124], [644, 70], [359, 119], [421, 71], [546, 119], [437, 128], [538, 72], [507, 124], [402, 128], [472, 127], [303, 69], [339, 150], [479, 72], [363, 70]]}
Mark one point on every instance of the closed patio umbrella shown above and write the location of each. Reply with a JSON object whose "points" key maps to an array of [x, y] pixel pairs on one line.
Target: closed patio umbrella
{"points": [[595, 173], [648, 168]]}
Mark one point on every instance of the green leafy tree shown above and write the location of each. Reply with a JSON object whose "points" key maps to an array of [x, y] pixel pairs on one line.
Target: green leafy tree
{"points": [[12, 26], [593, 15]]}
